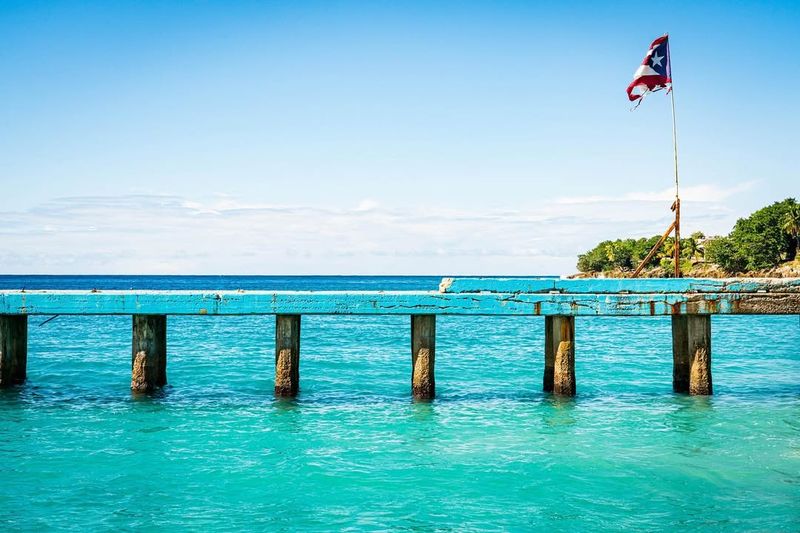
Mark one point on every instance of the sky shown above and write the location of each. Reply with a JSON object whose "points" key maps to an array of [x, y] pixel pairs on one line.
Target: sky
{"points": [[402, 138]]}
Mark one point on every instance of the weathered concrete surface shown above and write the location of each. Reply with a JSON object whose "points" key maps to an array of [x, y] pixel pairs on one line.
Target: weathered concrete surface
{"points": [[691, 352], [550, 349], [393, 303], [559, 355], [287, 356], [619, 285], [423, 356], [681, 360], [700, 376], [13, 349], [699, 341], [149, 353], [765, 304], [563, 345]]}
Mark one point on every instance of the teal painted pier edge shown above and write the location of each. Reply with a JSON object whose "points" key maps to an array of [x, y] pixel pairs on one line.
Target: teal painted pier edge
{"points": [[690, 302], [468, 296]]}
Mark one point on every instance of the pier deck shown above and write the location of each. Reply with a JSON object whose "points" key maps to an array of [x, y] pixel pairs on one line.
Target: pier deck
{"points": [[690, 302]]}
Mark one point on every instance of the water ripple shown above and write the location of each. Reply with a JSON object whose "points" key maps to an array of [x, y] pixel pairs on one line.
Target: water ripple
{"points": [[215, 450]]}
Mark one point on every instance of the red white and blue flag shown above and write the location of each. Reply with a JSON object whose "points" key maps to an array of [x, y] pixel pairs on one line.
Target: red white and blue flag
{"points": [[654, 73]]}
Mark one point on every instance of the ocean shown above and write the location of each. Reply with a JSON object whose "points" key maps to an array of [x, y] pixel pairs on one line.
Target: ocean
{"points": [[215, 451]]}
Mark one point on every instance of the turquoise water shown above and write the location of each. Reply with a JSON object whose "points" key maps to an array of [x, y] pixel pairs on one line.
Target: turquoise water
{"points": [[215, 451]]}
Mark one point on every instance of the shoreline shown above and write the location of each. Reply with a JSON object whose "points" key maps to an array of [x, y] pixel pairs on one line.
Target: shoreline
{"points": [[789, 269]]}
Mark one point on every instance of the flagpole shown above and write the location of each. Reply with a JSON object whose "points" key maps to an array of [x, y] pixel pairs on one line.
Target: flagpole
{"points": [[677, 204], [674, 139]]}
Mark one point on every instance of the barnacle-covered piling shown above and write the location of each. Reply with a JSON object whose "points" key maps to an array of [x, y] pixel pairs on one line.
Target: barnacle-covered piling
{"points": [[149, 353], [423, 356], [287, 355], [559, 355], [691, 354]]}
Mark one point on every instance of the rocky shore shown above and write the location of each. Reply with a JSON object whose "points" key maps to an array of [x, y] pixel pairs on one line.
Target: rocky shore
{"points": [[789, 269]]}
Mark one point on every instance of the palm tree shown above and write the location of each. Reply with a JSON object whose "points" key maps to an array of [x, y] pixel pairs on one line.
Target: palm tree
{"points": [[693, 246], [791, 223], [690, 247]]}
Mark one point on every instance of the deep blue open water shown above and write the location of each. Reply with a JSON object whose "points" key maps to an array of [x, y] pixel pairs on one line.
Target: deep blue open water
{"points": [[215, 451]]}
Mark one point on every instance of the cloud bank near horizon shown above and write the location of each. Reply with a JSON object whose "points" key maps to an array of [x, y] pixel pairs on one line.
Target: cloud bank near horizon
{"points": [[167, 234]]}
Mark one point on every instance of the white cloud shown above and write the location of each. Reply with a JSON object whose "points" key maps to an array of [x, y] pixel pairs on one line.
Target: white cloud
{"points": [[698, 193], [367, 204], [168, 234]]}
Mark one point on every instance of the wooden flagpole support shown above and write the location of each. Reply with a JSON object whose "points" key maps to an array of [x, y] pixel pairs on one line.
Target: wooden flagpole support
{"points": [[653, 250], [677, 224]]}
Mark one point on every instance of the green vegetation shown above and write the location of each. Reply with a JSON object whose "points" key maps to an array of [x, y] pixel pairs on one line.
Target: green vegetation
{"points": [[761, 241]]}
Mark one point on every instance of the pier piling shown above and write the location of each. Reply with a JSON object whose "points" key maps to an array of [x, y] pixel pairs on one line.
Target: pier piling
{"points": [[423, 356], [691, 354], [287, 355], [149, 354], [559, 350], [13, 349], [559, 355], [549, 354], [681, 362]]}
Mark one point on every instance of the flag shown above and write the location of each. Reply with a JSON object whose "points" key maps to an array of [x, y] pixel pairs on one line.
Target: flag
{"points": [[654, 73]]}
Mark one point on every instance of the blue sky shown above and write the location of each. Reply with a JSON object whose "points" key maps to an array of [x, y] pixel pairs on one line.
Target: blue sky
{"points": [[378, 137]]}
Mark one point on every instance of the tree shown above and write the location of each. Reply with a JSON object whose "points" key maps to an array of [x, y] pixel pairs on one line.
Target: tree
{"points": [[722, 251], [595, 260], [760, 238], [759, 241], [691, 247], [695, 245], [668, 265], [642, 247], [791, 224], [622, 254]]}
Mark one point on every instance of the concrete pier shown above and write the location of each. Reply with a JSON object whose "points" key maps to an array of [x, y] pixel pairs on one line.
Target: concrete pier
{"points": [[690, 302]]}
